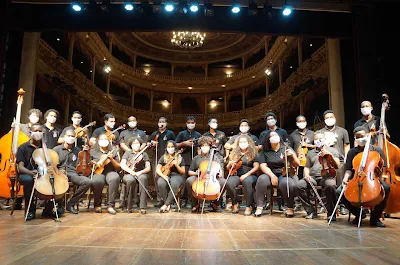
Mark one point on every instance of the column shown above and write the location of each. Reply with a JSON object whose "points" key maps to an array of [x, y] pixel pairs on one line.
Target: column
{"points": [[300, 50], [171, 104], [67, 98], [151, 100], [134, 60], [71, 48], [225, 102], [206, 70], [93, 69], [205, 103], [110, 43], [172, 69], [302, 102], [335, 84], [266, 86], [280, 66], [243, 98], [133, 97], [108, 83], [281, 117], [27, 73], [90, 118]]}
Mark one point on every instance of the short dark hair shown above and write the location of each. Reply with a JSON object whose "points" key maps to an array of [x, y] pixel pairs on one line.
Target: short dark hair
{"points": [[191, 118], [327, 112], [51, 110], [108, 116], [134, 138], [359, 129], [36, 111], [205, 140], [300, 116], [69, 129], [244, 120], [36, 124], [270, 114], [163, 118], [210, 119], [76, 112]]}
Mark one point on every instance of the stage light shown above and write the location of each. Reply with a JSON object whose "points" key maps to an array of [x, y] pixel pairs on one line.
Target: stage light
{"points": [[156, 6], [253, 10], [268, 11], [268, 71], [182, 8], [208, 10], [235, 8], [76, 6], [194, 6], [128, 5], [286, 10], [169, 7], [107, 68]]}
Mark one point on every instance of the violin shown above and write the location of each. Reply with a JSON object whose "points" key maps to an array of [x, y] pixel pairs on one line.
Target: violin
{"points": [[365, 189], [326, 162], [166, 169], [155, 139], [234, 167], [288, 165], [111, 135], [81, 131], [104, 161], [302, 152], [51, 183], [84, 163], [136, 159]]}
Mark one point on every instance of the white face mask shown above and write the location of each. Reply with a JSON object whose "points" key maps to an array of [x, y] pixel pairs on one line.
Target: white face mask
{"points": [[51, 119], [161, 125], [36, 135], [190, 126], [76, 121], [271, 122], [361, 141], [244, 129], [301, 125], [243, 145], [366, 111], [330, 122], [319, 142], [103, 143], [132, 124], [69, 139], [135, 147], [33, 119], [213, 125], [275, 139], [171, 150], [110, 124], [205, 149]]}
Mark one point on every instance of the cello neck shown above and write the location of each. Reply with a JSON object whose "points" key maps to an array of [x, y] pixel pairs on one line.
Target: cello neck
{"points": [[46, 153], [210, 161], [17, 122], [365, 154]]}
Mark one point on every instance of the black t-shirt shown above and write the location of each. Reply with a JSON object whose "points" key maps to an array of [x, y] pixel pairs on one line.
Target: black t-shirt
{"points": [[162, 162], [282, 133], [220, 140], [24, 154], [195, 165], [68, 158], [247, 165], [80, 140], [129, 133], [275, 159], [253, 137], [162, 140], [51, 135], [373, 124], [353, 152], [295, 138], [129, 155], [96, 154], [187, 153], [102, 130]]}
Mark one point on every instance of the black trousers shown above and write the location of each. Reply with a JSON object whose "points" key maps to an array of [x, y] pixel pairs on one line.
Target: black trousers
{"points": [[176, 181], [249, 187], [99, 180], [83, 183], [130, 182]]}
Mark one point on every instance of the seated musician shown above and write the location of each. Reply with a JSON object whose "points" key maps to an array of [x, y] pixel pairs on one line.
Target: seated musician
{"points": [[68, 155], [141, 170], [109, 175], [76, 126], [205, 144], [360, 136], [313, 173], [109, 124], [245, 151], [174, 178], [272, 162], [34, 116]]}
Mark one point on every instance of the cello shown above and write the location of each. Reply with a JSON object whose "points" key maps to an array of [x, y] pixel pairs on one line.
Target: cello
{"points": [[8, 150], [392, 156]]}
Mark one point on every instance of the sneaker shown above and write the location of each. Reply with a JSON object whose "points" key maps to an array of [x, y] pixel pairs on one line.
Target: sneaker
{"points": [[111, 210]]}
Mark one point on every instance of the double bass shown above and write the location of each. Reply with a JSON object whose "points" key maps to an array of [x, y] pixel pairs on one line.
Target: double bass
{"points": [[8, 150], [392, 156]]}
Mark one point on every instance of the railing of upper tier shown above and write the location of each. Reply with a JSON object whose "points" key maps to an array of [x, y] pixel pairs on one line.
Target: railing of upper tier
{"points": [[54, 65]]}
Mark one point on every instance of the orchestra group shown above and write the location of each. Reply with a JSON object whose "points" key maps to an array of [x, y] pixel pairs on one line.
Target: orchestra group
{"points": [[292, 164]]}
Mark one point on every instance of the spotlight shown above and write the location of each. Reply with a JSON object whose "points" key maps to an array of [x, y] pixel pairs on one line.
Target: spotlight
{"points": [[286, 10], [156, 6], [268, 11], [182, 8], [104, 5], [128, 5], [143, 7], [268, 71], [107, 68], [76, 6], [253, 10], [235, 8], [169, 7], [194, 6], [208, 10]]}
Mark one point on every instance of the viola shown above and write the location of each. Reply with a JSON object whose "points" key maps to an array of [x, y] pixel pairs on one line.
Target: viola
{"points": [[111, 135], [326, 162], [166, 169], [84, 166], [234, 167], [80, 132], [288, 165], [136, 159], [302, 152], [104, 160], [365, 189]]}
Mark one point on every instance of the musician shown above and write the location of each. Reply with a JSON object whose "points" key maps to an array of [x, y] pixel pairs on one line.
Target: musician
{"points": [[103, 147], [205, 143], [218, 136], [34, 116], [175, 178], [272, 162], [163, 135], [184, 140], [51, 130], [141, 170], [109, 124], [360, 136], [76, 126], [132, 131], [245, 151], [313, 173], [68, 155], [338, 138], [271, 120]]}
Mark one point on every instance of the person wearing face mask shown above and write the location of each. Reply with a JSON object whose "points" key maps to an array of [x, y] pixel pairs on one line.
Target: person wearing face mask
{"points": [[246, 152], [109, 126], [369, 121], [142, 168], [338, 138], [312, 173], [205, 144], [76, 125], [68, 155], [185, 140], [271, 120], [175, 178], [360, 136], [132, 131], [34, 116], [109, 175], [272, 162], [51, 130], [163, 135]]}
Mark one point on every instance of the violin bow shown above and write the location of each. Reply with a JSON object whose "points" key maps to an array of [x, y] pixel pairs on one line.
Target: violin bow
{"points": [[229, 174], [316, 194], [287, 170], [344, 186]]}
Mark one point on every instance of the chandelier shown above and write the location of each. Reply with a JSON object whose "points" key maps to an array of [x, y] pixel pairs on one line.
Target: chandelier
{"points": [[187, 40]]}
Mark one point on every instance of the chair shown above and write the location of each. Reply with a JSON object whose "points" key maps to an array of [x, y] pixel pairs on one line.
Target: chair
{"points": [[274, 197], [71, 190]]}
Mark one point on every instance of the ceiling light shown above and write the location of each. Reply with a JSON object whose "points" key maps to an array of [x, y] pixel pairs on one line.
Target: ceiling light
{"points": [[268, 71], [291, 67], [235, 8], [286, 10], [310, 44], [220, 98], [58, 39], [107, 68], [190, 87], [91, 71], [169, 7], [182, 8], [165, 103], [128, 5], [213, 105], [76, 6], [81, 62], [156, 6], [222, 85], [194, 6]]}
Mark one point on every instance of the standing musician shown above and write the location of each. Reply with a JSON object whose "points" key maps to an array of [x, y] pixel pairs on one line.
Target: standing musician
{"points": [[141, 169], [271, 120], [51, 130], [106, 158], [246, 152], [175, 162], [68, 155], [360, 136], [338, 138], [272, 163], [158, 140], [205, 144], [132, 131], [109, 124], [185, 140], [34, 116], [313, 172], [76, 125], [218, 136]]}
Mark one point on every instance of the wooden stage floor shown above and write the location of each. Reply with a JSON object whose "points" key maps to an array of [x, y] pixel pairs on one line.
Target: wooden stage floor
{"points": [[186, 238]]}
